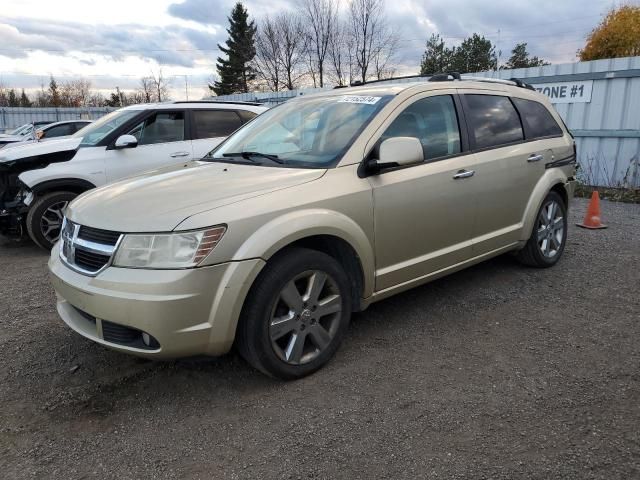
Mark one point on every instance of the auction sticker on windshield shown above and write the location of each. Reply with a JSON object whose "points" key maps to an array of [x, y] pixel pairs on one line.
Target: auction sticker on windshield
{"points": [[367, 100]]}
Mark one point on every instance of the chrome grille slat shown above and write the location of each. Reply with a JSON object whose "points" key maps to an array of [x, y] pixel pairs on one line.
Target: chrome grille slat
{"points": [[87, 250]]}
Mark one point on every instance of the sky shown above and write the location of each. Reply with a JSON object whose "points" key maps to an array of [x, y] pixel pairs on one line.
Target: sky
{"points": [[115, 43]]}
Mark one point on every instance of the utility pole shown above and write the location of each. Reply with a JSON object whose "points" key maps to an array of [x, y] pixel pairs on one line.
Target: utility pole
{"points": [[499, 53]]}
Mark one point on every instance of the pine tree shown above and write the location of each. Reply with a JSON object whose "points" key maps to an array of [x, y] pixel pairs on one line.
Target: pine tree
{"points": [[520, 58], [24, 100], [54, 93], [437, 57], [13, 98], [475, 54], [235, 71]]}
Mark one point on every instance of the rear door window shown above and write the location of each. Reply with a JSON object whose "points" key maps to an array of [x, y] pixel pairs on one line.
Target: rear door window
{"points": [[215, 123], [538, 121], [493, 120]]}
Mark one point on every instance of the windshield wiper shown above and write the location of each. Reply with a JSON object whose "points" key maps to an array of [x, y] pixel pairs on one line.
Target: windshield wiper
{"points": [[248, 155]]}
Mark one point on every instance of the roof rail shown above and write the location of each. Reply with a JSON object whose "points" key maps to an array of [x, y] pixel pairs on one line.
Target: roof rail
{"points": [[224, 102], [444, 77], [522, 84], [358, 83]]}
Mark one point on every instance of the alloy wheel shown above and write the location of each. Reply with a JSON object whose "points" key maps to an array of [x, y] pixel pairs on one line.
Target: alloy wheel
{"points": [[305, 317], [550, 229], [51, 221]]}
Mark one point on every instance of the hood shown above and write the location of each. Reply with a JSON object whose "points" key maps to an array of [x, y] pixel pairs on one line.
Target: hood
{"points": [[5, 137], [160, 200], [37, 149], [32, 155]]}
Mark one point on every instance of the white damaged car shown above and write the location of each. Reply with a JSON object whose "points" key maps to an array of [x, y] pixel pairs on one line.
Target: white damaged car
{"points": [[38, 180]]}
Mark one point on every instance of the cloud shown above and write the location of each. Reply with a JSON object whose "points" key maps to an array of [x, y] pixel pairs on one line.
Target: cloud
{"points": [[171, 45], [552, 29], [216, 12]]}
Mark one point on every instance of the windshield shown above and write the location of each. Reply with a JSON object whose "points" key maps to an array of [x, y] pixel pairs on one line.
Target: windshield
{"points": [[310, 132], [22, 130], [95, 132]]}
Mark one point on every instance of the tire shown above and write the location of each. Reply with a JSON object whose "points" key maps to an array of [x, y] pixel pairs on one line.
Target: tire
{"points": [[294, 338], [44, 219], [549, 236]]}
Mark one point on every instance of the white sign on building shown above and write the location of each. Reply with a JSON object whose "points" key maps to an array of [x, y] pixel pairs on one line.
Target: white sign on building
{"points": [[567, 92]]}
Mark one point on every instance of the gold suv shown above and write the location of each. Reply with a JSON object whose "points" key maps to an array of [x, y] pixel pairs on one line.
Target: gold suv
{"points": [[313, 210]]}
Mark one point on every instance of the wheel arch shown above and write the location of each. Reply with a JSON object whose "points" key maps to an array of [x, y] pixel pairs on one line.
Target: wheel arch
{"points": [[553, 181], [75, 185], [327, 231]]}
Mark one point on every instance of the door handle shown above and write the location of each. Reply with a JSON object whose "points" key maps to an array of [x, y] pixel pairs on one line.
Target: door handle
{"points": [[179, 154], [535, 158], [464, 174]]}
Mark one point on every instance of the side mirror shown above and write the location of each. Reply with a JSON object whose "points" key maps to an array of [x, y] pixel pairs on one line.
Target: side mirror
{"points": [[395, 152], [126, 141]]}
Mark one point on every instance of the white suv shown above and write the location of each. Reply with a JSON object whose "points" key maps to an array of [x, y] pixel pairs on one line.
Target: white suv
{"points": [[38, 180]]}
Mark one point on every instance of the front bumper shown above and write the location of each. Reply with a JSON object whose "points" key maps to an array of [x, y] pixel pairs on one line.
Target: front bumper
{"points": [[189, 312], [12, 217]]}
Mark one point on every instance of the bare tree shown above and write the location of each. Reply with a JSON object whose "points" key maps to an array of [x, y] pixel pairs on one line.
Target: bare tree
{"points": [[160, 86], [383, 56], [146, 90], [371, 37], [320, 21], [292, 48], [339, 55], [268, 54]]}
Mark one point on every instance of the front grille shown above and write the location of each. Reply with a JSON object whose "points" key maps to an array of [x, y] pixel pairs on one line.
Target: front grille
{"points": [[105, 237], [86, 249], [90, 261]]}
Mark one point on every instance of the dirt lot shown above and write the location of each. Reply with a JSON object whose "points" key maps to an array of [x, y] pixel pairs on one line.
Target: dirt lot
{"points": [[496, 372]]}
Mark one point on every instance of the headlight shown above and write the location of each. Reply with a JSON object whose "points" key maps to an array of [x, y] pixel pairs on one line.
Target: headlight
{"points": [[167, 250]]}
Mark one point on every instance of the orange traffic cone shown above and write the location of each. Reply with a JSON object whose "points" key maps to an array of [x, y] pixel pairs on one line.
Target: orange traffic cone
{"points": [[592, 218]]}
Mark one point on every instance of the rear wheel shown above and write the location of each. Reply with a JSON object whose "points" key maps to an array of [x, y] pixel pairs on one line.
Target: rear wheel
{"points": [[296, 314], [44, 219], [546, 244]]}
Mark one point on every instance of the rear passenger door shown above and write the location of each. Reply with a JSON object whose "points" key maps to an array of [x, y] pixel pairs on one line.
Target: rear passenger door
{"points": [[210, 127], [504, 176]]}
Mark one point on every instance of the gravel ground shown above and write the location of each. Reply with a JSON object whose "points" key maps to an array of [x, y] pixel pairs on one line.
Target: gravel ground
{"points": [[498, 371]]}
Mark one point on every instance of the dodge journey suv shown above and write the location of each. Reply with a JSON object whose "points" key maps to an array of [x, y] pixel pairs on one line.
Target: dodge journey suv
{"points": [[313, 210]]}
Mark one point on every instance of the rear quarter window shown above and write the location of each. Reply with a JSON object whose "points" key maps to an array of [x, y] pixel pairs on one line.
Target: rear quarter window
{"points": [[538, 121], [493, 120]]}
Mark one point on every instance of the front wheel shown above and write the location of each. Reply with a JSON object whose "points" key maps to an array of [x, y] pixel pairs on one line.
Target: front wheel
{"points": [[546, 244], [44, 220], [296, 314]]}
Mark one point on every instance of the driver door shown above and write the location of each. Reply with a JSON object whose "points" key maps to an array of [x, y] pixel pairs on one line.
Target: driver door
{"points": [[161, 142], [423, 215]]}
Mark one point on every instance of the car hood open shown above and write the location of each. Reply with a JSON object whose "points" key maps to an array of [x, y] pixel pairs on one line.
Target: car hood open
{"points": [[160, 200], [29, 150]]}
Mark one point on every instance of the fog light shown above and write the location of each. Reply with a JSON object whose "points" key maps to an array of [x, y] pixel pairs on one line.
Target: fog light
{"points": [[146, 339]]}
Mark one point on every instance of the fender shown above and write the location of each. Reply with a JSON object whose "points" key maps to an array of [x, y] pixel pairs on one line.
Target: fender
{"points": [[77, 185], [551, 178], [292, 226]]}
